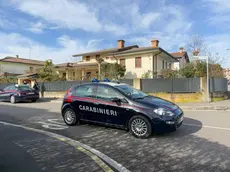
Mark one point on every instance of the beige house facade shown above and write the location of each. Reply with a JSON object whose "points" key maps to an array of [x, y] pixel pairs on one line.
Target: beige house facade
{"points": [[137, 60]]}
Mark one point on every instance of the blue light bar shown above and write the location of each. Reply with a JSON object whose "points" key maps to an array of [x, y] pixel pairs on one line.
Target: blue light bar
{"points": [[106, 80], [94, 80]]}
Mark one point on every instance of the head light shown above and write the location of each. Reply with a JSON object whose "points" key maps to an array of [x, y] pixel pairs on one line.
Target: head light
{"points": [[163, 112]]}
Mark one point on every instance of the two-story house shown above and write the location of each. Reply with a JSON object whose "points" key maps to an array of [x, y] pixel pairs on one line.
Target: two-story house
{"points": [[13, 66], [137, 60], [182, 57]]}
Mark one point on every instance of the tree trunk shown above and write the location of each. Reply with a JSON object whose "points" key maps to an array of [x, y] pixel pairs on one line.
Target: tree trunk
{"points": [[99, 71]]}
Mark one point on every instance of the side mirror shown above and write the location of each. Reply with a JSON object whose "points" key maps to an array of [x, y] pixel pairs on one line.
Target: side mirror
{"points": [[117, 100]]}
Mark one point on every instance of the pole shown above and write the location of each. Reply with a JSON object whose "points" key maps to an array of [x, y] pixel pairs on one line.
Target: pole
{"points": [[207, 82]]}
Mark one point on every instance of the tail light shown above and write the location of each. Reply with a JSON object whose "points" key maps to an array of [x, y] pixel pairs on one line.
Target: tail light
{"points": [[68, 96]]}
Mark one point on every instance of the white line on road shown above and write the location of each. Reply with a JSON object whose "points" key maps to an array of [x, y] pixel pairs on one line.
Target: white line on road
{"points": [[75, 143], [207, 126]]}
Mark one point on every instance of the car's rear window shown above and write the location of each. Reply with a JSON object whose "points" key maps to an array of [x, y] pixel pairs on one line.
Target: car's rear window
{"points": [[23, 88]]}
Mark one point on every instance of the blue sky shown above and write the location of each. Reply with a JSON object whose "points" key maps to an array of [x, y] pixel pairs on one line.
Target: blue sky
{"points": [[57, 29]]}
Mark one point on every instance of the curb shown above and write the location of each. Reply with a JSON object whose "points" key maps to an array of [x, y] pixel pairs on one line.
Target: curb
{"points": [[205, 108]]}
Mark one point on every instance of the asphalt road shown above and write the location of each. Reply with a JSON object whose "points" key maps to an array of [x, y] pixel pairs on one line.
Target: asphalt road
{"points": [[201, 144]]}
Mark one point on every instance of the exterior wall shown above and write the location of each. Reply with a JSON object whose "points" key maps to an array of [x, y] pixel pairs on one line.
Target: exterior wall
{"points": [[131, 70], [17, 68]]}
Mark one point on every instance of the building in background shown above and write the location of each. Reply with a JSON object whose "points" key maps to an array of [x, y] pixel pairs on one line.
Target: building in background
{"points": [[137, 60], [182, 57], [227, 73], [14, 66]]}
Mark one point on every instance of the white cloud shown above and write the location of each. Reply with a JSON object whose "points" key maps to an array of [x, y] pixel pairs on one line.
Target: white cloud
{"points": [[65, 14], [15, 44], [37, 27], [218, 6]]}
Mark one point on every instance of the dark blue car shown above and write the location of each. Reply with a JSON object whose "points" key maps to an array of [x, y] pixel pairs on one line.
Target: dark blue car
{"points": [[18, 93], [122, 106]]}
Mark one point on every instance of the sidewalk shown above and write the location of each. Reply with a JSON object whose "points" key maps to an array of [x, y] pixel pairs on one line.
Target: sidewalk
{"points": [[220, 105]]}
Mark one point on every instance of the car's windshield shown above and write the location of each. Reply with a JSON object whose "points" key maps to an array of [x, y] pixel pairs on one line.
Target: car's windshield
{"points": [[131, 92]]}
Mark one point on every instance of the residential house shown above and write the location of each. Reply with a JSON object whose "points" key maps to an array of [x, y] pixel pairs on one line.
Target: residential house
{"points": [[182, 57], [227, 73], [87, 68], [137, 60], [13, 66]]}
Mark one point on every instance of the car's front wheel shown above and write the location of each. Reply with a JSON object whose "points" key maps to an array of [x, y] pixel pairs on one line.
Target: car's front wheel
{"points": [[140, 127], [70, 117]]}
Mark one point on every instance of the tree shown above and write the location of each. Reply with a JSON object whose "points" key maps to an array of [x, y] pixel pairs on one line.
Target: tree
{"points": [[47, 73], [188, 71], [147, 75], [196, 45], [112, 70], [169, 73], [99, 62]]}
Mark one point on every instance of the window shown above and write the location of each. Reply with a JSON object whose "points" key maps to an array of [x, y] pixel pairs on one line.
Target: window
{"points": [[88, 75], [166, 65], [87, 58], [131, 92], [97, 57], [122, 62], [107, 93], [163, 64], [170, 66], [85, 91], [12, 87], [74, 74], [138, 62], [31, 69]]}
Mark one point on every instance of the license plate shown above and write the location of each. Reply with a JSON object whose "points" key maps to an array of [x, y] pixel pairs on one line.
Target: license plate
{"points": [[30, 93], [180, 119]]}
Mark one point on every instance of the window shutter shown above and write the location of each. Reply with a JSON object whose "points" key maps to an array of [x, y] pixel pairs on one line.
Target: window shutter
{"points": [[138, 62]]}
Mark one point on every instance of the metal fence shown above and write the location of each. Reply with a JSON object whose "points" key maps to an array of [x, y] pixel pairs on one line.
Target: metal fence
{"points": [[218, 85], [59, 85], [5, 85], [177, 85], [127, 81]]}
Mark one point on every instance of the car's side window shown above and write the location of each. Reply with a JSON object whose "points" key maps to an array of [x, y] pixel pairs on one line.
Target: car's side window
{"points": [[85, 91], [107, 93], [8, 88]]}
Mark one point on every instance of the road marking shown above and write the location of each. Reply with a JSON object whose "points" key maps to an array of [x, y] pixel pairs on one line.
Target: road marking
{"points": [[77, 144], [52, 126], [55, 121], [207, 126]]}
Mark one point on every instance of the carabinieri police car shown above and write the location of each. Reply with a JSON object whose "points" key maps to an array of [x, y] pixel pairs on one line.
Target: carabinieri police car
{"points": [[122, 106]]}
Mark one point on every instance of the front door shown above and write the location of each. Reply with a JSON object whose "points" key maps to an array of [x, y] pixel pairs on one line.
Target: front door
{"points": [[113, 113]]}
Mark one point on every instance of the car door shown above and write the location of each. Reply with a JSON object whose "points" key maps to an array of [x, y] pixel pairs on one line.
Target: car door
{"points": [[6, 92], [83, 101], [115, 113]]}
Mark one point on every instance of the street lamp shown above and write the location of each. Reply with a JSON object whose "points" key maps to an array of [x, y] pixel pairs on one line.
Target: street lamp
{"points": [[204, 58]]}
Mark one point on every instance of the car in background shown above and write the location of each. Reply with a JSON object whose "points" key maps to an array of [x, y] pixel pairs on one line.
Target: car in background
{"points": [[122, 106], [18, 93]]}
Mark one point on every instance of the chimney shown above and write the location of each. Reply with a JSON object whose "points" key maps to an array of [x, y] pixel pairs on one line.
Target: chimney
{"points": [[181, 49], [17, 56], [155, 43], [120, 44], [195, 52]]}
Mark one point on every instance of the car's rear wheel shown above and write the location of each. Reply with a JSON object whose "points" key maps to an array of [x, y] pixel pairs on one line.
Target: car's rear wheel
{"points": [[33, 101], [70, 117], [140, 127], [12, 99]]}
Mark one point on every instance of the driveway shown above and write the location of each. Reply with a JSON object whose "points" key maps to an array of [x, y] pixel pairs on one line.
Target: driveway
{"points": [[201, 144]]}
